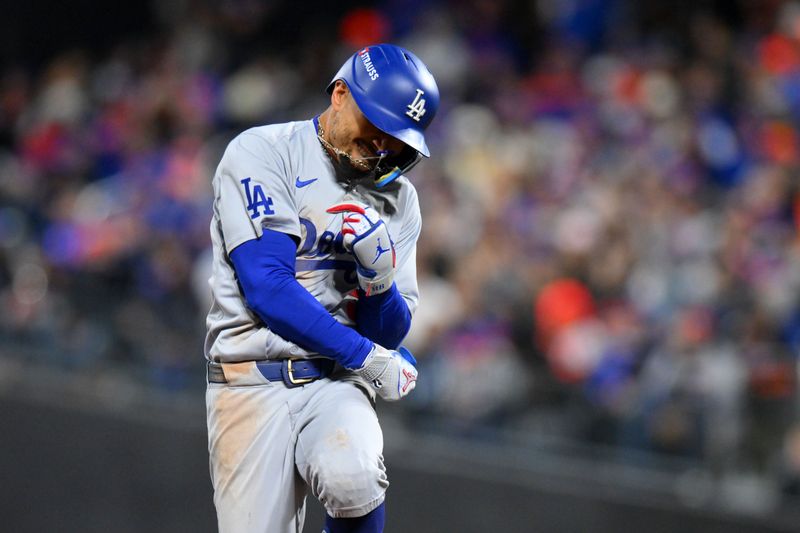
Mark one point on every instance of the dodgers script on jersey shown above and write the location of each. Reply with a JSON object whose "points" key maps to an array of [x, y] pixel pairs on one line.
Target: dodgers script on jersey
{"points": [[280, 178]]}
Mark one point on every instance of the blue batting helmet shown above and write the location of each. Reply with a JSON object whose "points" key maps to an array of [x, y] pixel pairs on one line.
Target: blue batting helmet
{"points": [[394, 90]]}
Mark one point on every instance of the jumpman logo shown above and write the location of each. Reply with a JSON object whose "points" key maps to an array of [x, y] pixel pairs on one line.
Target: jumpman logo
{"points": [[410, 378], [379, 251]]}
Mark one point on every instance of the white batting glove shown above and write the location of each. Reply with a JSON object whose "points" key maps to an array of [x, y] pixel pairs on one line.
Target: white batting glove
{"points": [[391, 373], [366, 236]]}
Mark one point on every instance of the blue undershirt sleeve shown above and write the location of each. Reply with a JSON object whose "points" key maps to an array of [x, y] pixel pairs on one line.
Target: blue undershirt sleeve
{"points": [[265, 268], [383, 318]]}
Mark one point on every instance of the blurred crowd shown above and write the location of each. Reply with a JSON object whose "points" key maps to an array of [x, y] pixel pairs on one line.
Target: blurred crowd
{"points": [[610, 244]]}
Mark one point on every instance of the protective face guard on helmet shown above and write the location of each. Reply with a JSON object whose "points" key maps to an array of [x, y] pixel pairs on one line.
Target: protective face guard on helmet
{"points": [[384, 168], [390, 168]]}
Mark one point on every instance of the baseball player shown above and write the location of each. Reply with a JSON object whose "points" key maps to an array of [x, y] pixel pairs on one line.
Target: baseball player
{"points": [[314, 236]]}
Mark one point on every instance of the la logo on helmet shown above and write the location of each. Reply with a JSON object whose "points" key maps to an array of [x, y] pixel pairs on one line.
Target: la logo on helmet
{"points": [[417, 108]]}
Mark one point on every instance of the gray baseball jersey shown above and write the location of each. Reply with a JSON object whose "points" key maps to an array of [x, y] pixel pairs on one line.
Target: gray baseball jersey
{"points": [[268, 444], [278, 177]]}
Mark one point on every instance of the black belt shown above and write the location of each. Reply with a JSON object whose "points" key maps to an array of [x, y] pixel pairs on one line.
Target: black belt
{"points": [[293, 372]]}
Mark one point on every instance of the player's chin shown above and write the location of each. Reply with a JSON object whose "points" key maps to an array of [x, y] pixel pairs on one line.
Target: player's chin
{"points": [[346, 171]]}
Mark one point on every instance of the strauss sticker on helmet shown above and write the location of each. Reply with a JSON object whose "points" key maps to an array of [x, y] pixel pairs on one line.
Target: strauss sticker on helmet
{"points": [[371, 70]]}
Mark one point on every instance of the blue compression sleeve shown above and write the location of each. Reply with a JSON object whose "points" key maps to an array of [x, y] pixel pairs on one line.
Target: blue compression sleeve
{"points": [[265, 268], [383, 318]]}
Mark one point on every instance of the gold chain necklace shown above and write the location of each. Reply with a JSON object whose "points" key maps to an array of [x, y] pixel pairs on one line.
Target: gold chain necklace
{"points": [[361, 163]]}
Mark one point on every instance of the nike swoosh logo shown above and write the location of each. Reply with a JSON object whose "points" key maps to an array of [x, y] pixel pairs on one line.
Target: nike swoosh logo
{"points": [[300, 183]]}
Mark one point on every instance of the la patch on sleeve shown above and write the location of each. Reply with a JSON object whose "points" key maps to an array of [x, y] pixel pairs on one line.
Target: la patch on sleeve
{"points": [[256, 199]]}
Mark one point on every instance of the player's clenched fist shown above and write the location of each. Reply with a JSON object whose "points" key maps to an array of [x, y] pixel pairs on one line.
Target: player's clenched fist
{"points": [[392, 374], [366, 236]]}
